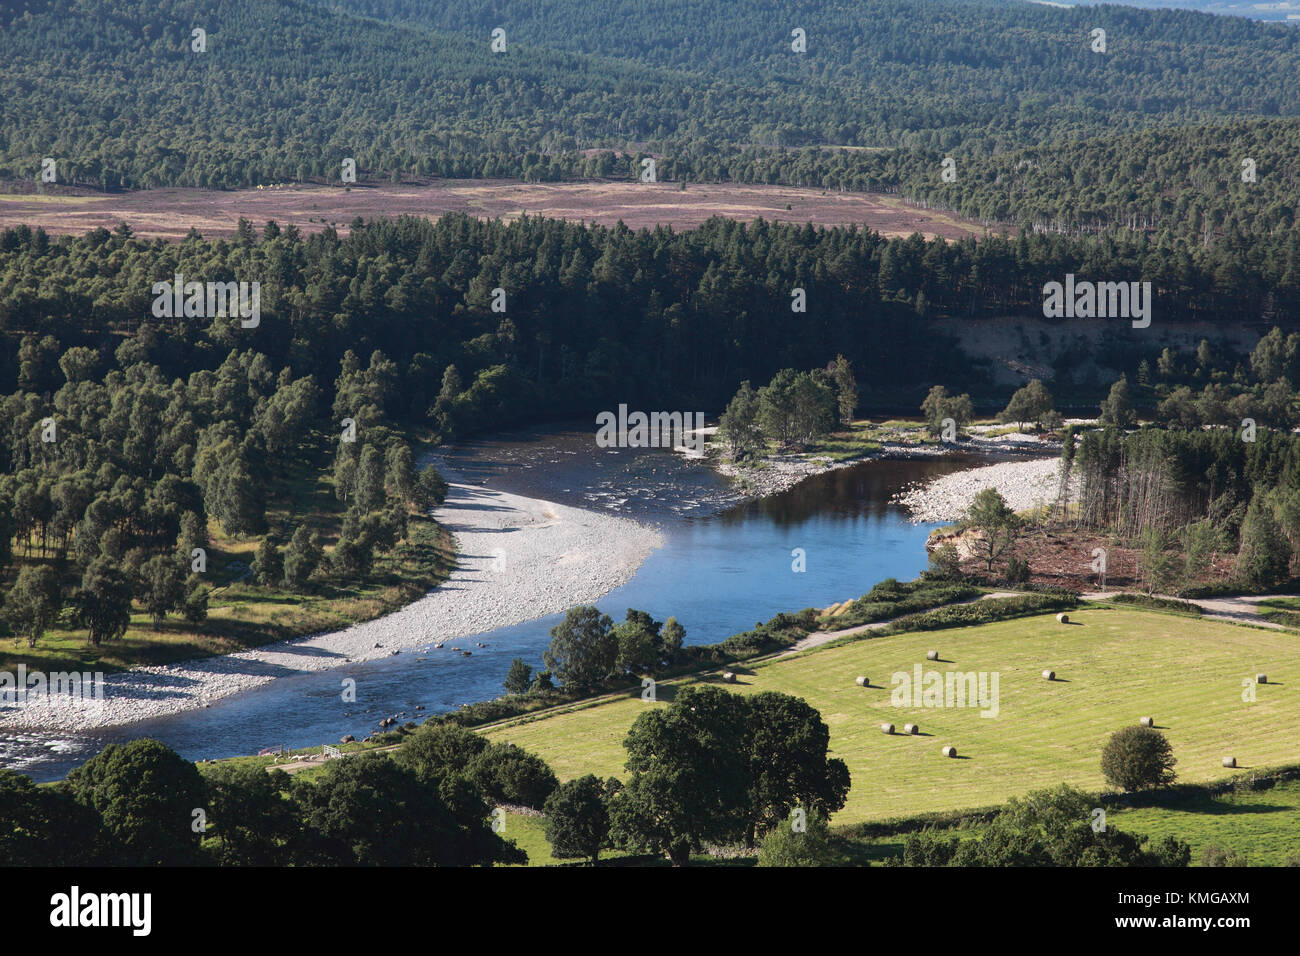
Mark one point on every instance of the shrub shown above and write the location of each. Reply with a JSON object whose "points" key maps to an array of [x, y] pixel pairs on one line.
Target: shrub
{"points": [[983, 612], [1017, 570], [782, 631], [1138, 758], [1215, 855], [1161, 604], [810, 846], [195, 605], [945, 562], [1044, 828], [882, 603]]}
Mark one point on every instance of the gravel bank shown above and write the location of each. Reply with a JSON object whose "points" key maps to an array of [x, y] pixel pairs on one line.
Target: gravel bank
{"points": [[519, 559], [1024, 484], [782, 472]]}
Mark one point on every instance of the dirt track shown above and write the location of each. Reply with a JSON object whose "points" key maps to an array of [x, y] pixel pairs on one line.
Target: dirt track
{"points": [[1238, 610], [170, 213]]}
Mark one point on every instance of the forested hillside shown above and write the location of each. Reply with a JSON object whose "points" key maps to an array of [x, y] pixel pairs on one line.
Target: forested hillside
{"points": [[918, 72], [591, 315], [1190, 183], [286, 90]]}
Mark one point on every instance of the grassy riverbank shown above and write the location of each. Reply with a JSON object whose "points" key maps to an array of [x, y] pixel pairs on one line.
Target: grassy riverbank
{"points": [[1187, 673]]}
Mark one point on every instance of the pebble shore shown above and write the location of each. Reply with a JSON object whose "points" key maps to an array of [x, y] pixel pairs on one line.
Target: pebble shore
{"points": [[780, 473], [1023, 484], [518, 559]]}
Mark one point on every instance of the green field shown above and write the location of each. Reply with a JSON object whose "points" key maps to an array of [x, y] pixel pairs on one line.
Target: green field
{"points": [[1283, 611], [1113, 666], [1260, 824], [528, 833]]}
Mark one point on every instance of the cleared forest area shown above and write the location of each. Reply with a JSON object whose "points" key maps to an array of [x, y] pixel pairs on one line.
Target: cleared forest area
{"points": [[171, 213]]}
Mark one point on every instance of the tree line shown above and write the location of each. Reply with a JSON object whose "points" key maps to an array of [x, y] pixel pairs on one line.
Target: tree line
{"points": [[711, 766], [598, 314]]}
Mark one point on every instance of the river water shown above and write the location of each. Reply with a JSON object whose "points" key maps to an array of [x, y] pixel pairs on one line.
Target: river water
{"points": [[718, 572]]}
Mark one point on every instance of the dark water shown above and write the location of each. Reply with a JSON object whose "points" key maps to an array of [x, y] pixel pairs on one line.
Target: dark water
{"points": [[717, 573]]}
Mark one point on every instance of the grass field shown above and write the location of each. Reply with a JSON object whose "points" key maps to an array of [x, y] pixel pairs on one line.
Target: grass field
{"points": [[1263, 825], [1283, 611], [1113, 666], [866, 438], [1259, 824]]}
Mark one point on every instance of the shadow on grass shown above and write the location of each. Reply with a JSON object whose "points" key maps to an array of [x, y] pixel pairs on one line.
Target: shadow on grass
{"points": [[1219, 808]]}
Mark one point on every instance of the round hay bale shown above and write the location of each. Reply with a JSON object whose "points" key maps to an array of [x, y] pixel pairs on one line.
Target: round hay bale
{"points": [[950, 751], [911, 729], [1261, 678], [729, 677], [886, 728], [1049, 675], [1147, 721], [1230, 762], [864, 682], [1063, 618], [931, 655]]}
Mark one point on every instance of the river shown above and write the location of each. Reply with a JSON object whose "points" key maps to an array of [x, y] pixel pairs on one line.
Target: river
{"points": [[718, 572]]}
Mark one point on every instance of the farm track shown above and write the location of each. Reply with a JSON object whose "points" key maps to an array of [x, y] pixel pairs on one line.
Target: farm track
{"points": [[1236, 610]]}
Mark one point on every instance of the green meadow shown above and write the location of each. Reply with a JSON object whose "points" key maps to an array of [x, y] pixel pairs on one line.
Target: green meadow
{"points": [[1262, 825], [1112, 665]]}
